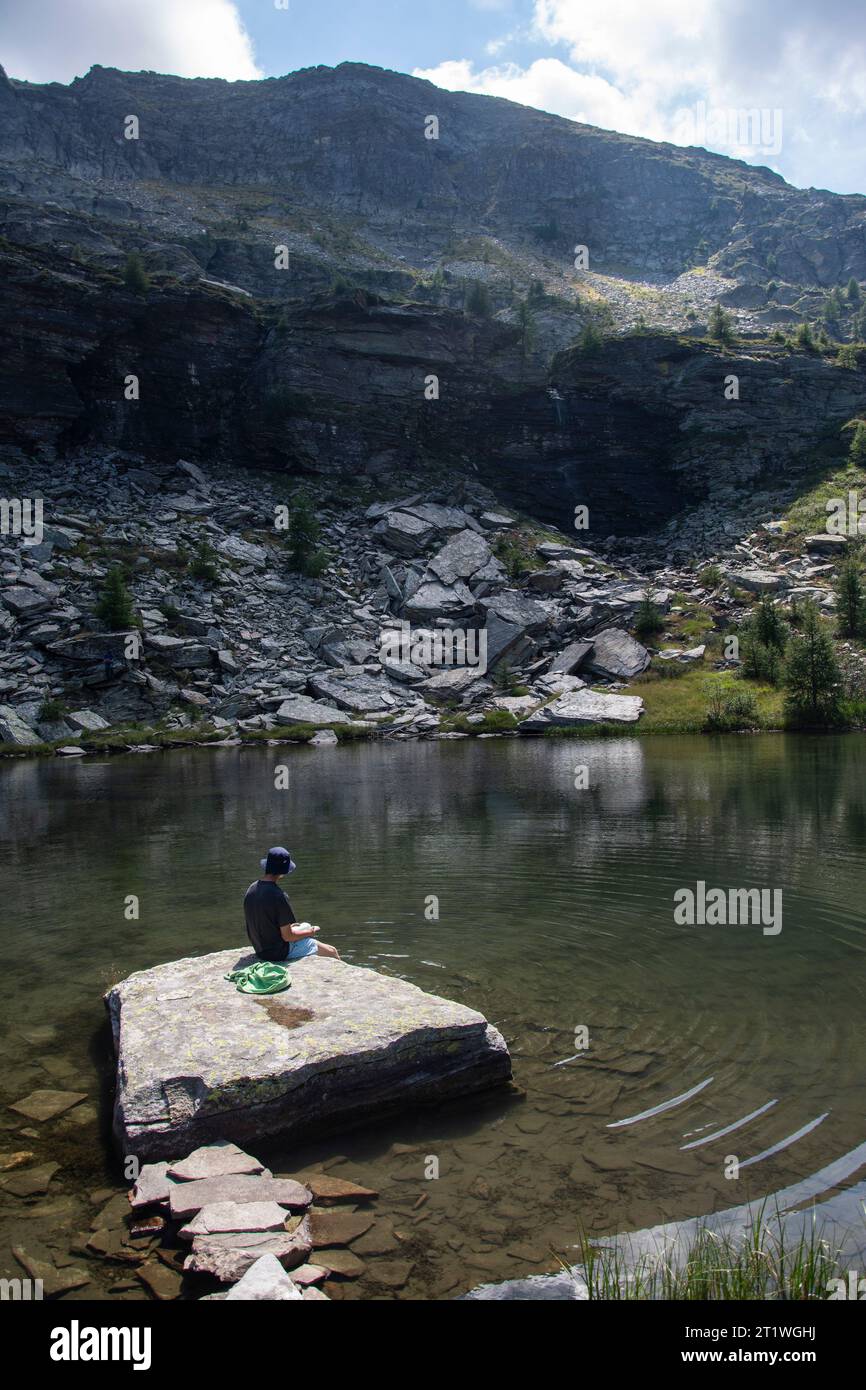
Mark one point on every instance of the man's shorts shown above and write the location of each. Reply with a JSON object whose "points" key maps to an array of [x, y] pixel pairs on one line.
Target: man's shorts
{"points": [[306, 947]]}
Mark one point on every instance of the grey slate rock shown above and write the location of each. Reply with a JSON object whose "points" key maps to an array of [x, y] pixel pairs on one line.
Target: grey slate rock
{"points": [[584, 707], [372, 1044], [13, 729], [300, 709], [364, 694], [570, 659], [460, 558], [407, 535], [433, 600], [24, 602], [617, 656]]}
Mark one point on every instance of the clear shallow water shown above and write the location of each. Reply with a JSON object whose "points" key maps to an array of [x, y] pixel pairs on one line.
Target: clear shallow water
{"points": [[556, 911]]}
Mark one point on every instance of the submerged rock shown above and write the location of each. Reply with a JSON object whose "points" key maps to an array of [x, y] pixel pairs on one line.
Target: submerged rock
{"points": [[197, 1061]]}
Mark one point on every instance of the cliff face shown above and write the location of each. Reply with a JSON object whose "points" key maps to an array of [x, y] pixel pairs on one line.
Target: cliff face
{"points": [[639, 432], [352, 140], [323, 370]]}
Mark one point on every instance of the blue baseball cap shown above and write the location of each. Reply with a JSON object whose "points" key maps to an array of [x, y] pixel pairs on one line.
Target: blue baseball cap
{"points": [[278, 861]]}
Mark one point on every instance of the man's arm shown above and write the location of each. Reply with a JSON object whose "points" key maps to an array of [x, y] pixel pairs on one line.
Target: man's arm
{"points": [[296, 931]]}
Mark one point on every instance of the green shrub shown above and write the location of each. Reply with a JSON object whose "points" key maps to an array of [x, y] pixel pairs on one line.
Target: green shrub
{"points": [[850, 597], [514, 559], [813, 680], [730, 710], [649, 618], [115, 607], [590, 341], [135, 277], [848, 357], [477, 303], [203, 564], [857, 449], [720, 325], [305, 555], [710, 577], [804, 338]]}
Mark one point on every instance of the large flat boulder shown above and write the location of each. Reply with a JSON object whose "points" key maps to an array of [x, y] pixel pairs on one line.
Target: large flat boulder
{"points": [[197, 1061], [363, 694], [581, 707], [757, 581], [300, 709], [826, 543]]}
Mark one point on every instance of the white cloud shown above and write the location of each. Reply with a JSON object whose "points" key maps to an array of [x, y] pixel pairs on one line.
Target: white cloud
{"points": [[681, 70], [551, 85], [54, 41]]}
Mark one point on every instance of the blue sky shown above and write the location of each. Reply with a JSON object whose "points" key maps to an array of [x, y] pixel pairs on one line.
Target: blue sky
{"points": [[775, 82], [395, 34]]}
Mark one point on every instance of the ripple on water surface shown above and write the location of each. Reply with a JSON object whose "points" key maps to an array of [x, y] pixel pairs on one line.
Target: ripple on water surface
{"points": [[555, 914]]}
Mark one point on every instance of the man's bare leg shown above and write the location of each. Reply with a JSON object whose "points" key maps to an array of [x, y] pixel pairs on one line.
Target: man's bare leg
{"points": [[325, 950]]}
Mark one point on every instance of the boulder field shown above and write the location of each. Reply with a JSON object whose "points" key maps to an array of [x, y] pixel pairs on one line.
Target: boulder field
{"points": [[197, 1061]]}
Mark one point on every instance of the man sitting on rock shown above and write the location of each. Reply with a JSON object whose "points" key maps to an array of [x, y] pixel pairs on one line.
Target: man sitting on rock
{"points": [[271, 926]]}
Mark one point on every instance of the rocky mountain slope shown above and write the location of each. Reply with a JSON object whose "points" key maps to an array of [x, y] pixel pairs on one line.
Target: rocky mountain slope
{"points": [[324, 365], [334, 299]]}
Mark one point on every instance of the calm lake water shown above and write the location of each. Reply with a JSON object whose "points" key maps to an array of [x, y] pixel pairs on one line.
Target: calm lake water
{"points": [[556, 912]]}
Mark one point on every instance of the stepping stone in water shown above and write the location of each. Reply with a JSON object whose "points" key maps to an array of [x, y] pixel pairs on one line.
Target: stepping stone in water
{"points": [[394, 1274], [228, 1257], [309, 1274], [329, 1228], [54, 1281], [235, 1216], [327, 1190], [186, 1198], [30, 1182], [153, 1185], [265, 1281], [162, 1282], [45, 1105], [341, 1262], [219, 1160]]}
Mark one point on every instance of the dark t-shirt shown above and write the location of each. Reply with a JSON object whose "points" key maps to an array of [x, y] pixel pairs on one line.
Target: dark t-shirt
{"points": [[266, 909]]}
